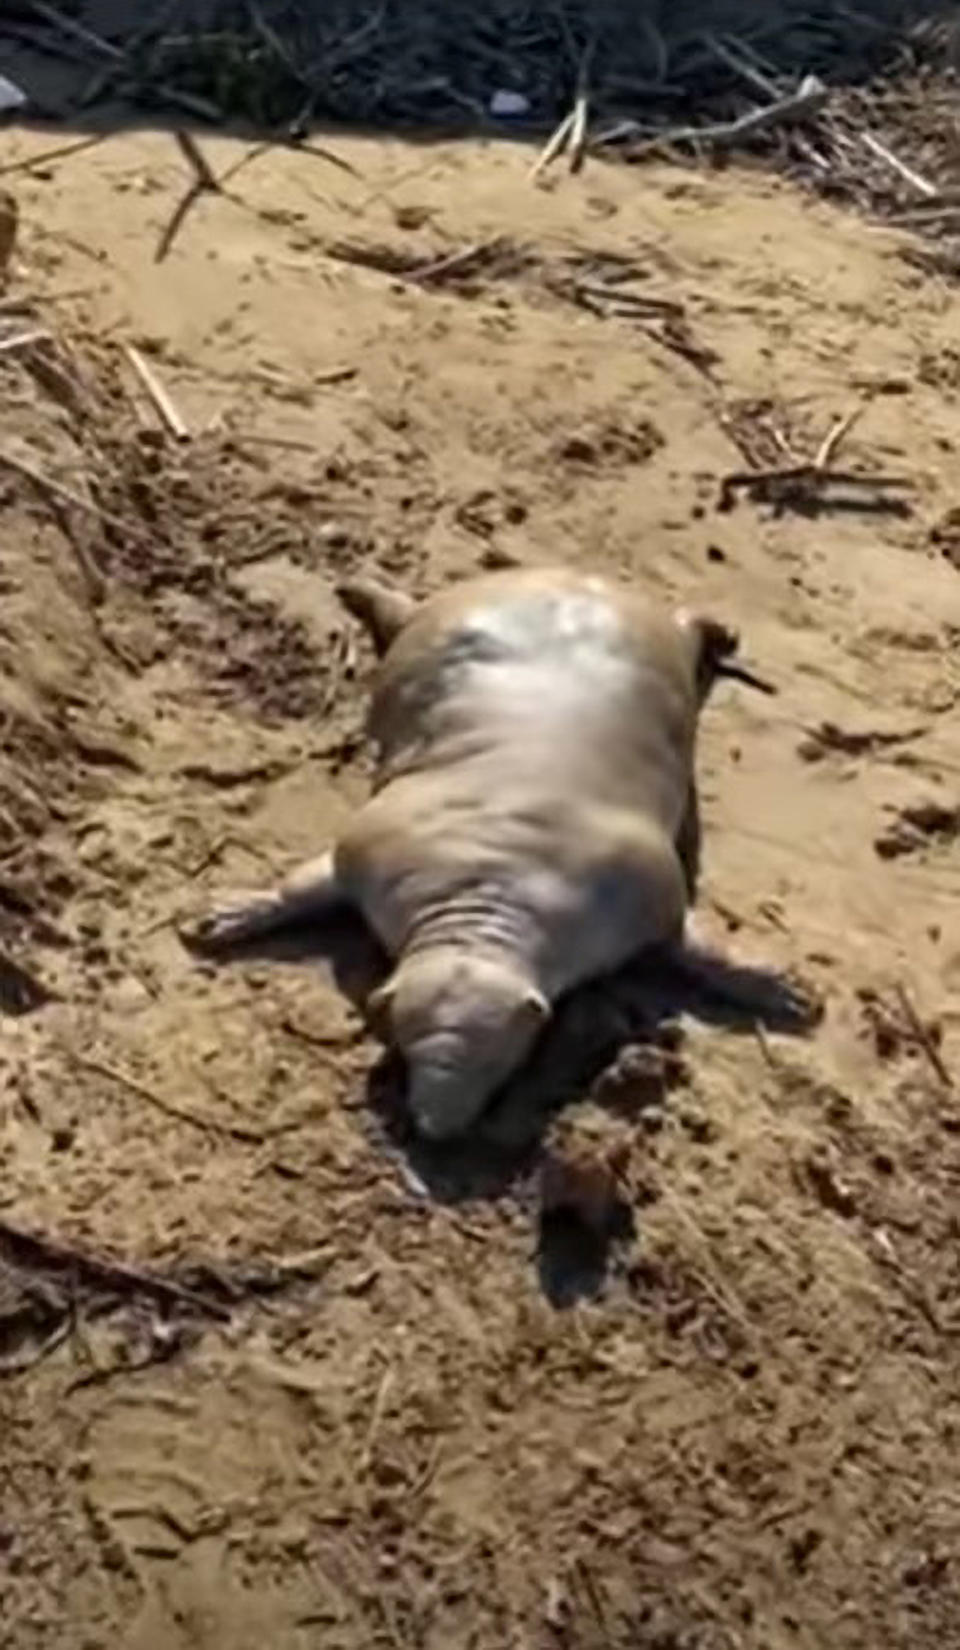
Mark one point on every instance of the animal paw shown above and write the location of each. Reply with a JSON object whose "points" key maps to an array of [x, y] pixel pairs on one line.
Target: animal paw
{"points": [[779, 999], [229, 923], [798, 1001]]}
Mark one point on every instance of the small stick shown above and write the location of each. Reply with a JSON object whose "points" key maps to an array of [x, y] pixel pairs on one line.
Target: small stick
{"points": [[922, 185], [234, 1131], [22, 340], [742, 66], [579, 132], [379, 1407], [47, 155], [76, 31], [922, 1037], [66, 495], [553, 147], [581, 112], [631, 300], [203, 171], [158, 395], [456, 262], [29, 1248], [764, 1045], [833, 438]]}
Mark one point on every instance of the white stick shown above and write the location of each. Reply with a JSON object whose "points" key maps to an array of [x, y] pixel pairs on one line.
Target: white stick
{"points": [[21, 340], [552, 147], [158, 395], [809, 98], [922, 185]]}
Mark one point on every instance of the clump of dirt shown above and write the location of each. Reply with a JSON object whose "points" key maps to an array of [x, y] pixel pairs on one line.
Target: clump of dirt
{"points": [[918, 826]]}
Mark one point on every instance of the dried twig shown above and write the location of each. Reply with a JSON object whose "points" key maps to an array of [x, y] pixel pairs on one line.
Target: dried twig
{"points": [[23, 340], [45, 156], [456, 262], [834, 436], [30, 1249], [581, 112], [194, 155], [133, 1085], [922, 185], [553, 147], [57, 490], [640, 302], [921, 1036], [158, 395], [376, 1417], [205, 182]]}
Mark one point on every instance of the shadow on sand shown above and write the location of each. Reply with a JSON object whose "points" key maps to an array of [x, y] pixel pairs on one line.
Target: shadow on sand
{"points": [[626, 1022]]}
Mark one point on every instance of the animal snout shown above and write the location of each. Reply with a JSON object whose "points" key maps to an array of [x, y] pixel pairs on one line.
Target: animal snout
{"points": [[444, 1097]]}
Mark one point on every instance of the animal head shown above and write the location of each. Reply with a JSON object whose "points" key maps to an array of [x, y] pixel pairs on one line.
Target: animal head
{"points": [[463, 1023], [715, 648]]}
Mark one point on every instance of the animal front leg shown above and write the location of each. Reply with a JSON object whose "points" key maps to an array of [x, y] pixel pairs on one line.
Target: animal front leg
{"points": [[758, 993], [310, 891]]}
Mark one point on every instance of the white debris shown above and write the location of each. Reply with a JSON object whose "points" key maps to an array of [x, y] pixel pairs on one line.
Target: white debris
{"points": [[506, 103], [11, 97]]}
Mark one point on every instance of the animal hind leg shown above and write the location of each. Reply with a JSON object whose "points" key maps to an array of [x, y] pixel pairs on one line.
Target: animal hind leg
{"points": [[310, 891], [382, 610]]}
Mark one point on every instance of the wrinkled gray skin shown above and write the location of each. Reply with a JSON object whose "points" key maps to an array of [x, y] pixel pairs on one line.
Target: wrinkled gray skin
{"points": [[533, 821]]}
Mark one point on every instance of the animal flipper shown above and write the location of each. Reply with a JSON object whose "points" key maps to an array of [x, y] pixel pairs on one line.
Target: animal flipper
{"points": [[382, 610]]}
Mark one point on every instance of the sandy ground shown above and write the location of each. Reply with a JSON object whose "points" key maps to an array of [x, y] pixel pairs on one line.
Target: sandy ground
{"points": [[743, 1434]]}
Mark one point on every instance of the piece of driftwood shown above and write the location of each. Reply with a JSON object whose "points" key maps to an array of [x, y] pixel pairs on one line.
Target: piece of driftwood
{"points": [[802, 476]]}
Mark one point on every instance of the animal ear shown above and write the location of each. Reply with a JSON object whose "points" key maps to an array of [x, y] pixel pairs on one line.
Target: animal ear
{"points": [[535, 1008], [716, 654], [717, 643], [378, 1008]]}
